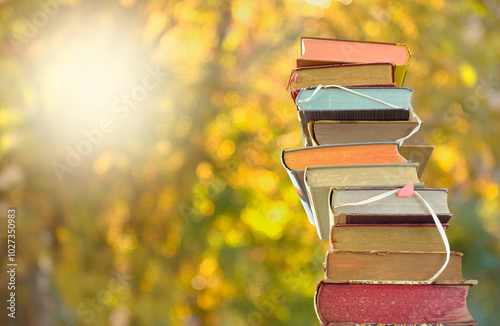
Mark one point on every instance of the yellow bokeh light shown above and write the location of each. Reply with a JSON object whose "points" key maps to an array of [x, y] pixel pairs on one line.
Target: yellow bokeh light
{"points": [[156, 24], [206, 301], [468, 74], [208, 266], [204, 171], [232, 98], [267, 180], [234, 238], [182, 310], [126, 243], [103, 163], [491, 191], [226, 149], [198, 282], [445, 157], [258, 221], [207, 208], [442, 77]]}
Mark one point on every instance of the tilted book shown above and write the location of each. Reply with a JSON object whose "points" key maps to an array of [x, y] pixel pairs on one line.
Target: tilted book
{"points": [[296, 160]]}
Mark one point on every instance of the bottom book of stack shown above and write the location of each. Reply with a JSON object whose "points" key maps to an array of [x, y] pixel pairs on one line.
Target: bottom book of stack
{"points": [[343, 303]]}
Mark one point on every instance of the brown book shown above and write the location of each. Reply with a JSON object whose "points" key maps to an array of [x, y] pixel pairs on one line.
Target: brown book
{"points": [[415, 148], [324, 132], [388, 237], [341, 303], [320, 179], [391, 265], [306, 116], [364, 74], [321, 51], [403, 210]]}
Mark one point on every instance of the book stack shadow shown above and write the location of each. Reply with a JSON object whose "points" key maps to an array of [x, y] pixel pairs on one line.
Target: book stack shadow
{"points": [[358, 177]]}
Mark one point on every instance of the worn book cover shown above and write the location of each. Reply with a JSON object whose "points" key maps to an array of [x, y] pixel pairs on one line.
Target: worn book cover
{"points": [[372, 302]]}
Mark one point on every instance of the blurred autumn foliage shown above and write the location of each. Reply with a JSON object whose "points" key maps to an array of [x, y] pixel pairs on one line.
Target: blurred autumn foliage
{"points": [[140, 146]]}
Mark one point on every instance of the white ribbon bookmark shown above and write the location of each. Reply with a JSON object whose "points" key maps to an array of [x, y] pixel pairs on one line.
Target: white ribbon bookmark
{"points": [[443, 236], [400, 140], [408, 191]]}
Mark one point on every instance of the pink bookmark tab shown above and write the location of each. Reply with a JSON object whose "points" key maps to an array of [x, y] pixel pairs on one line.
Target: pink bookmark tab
{"points": [[407, 191]]}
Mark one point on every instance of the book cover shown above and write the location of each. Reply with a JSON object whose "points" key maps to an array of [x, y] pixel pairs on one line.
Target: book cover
{"points": [[389, 114], [414, 149], [392, 205], [296, 160], [366, 74], [387, 237], [391, 265], [323, 132], [321, 51], [344, 303], [354, 98]]}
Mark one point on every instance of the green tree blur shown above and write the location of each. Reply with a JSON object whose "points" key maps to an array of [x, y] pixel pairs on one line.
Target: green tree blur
{"points": [[140, 147]]}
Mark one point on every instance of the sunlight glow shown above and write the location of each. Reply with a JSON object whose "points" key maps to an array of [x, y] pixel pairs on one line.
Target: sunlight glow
{"points": [[83, 74]]}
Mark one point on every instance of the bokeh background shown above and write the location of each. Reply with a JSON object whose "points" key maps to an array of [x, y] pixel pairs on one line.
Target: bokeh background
{"points": [[140, 147]]}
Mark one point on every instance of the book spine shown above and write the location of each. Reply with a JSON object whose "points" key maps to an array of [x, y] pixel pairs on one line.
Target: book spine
{"points": [[306, 139], [400, 71]]}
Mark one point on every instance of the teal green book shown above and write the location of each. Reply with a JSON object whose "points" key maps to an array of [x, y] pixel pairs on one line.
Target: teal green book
{"points": [[354, 98]]}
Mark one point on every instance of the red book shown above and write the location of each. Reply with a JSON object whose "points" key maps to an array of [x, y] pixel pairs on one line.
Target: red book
{"points": [[381, 302]]}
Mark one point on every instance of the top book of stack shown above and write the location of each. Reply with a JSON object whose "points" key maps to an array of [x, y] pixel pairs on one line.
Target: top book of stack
{"points": [[320, 52]]}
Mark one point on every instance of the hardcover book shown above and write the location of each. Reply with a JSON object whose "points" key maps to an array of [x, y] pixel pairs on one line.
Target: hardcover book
{"points": [[354, 98], [344, 303], [320, 179], [415, 148], [296, 160], [321, 51], [323, 132], [307, 116], [387, 237], [391, 265], [365, 74], [402, 209]]}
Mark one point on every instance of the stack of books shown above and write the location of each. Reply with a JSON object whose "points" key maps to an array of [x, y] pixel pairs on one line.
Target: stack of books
{"points": [[358, 178]]}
